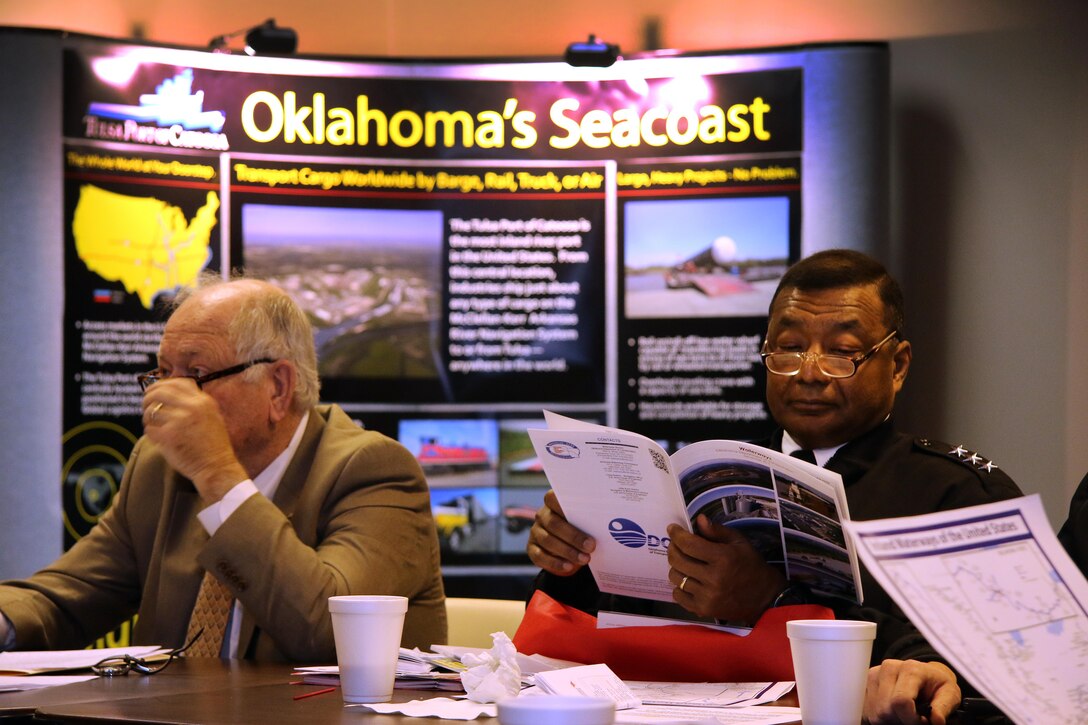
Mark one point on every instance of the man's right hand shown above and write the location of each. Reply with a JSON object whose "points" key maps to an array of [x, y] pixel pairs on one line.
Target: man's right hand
{"points": [[554, 545], [718, 573], [187, 425]]}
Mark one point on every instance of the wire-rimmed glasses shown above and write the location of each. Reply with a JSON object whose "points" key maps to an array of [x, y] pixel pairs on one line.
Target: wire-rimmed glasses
{"points": [[123, 664], [833, 366], [146, 380]]}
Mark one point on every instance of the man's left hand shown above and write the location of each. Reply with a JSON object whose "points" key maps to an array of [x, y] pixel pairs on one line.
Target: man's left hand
{"points": [[719, 574], [896, 688]]}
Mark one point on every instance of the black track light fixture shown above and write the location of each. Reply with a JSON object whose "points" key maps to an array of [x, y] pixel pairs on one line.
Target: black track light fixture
{"points": [[264, 39], [592, 53]]}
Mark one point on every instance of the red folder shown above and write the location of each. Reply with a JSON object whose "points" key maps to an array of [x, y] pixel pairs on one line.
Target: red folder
{"points": [[672, 653]]}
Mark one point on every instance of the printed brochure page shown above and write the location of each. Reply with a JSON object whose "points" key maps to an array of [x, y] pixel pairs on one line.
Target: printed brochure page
{"points": [[624, 490], [617, 487]]}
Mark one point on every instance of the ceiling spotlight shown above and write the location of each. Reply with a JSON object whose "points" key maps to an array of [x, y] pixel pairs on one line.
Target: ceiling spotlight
{"points": [[592, 53], [268, 38], [261, 39]]}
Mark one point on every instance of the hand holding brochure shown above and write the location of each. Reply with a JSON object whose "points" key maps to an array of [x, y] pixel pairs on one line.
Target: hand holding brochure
{"points": [[623, 489]]}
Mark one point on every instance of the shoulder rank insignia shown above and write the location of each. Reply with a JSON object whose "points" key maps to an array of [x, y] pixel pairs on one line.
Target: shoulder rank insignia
{"points": [[957, 453]]}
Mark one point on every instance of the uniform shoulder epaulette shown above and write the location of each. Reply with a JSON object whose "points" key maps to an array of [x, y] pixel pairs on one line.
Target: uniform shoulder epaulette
{"points": [[957, 453]]}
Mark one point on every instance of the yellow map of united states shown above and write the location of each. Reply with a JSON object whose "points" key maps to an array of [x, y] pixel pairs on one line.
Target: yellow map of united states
{"points": [[142, 242]]}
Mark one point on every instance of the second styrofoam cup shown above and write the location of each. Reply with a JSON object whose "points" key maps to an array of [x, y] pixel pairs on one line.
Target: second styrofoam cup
{"points": [[830, 664], [367, 630]]}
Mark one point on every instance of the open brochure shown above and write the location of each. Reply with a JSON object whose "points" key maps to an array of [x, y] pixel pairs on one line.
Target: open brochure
{"points": [[623, 489]]}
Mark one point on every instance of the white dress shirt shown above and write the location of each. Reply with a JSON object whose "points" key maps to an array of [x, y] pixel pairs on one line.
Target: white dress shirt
{"points": [[823, 455], [266, 483]]}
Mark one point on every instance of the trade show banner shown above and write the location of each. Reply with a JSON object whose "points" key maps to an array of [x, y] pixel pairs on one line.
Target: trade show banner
{"points": [[472, 242]]}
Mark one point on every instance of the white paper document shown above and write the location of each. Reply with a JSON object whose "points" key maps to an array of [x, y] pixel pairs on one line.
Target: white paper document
{"points": [[995, 593], [708, 694], [587, 681], [41, 661], [681, 715], [615, 620], [450, 709], [17, 683], [623, 489]]}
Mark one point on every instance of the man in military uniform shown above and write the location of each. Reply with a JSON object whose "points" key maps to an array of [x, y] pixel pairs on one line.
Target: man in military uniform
{"points": [[836, 357]]}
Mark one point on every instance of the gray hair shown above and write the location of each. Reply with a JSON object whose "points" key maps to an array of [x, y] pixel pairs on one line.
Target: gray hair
{"points": [[269, 323]]}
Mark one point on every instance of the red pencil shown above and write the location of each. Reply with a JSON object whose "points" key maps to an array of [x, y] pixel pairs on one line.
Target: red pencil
{"points": [[315, 692]]}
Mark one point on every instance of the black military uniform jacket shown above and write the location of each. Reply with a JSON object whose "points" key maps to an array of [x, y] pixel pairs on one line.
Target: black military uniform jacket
{"points": [[886, 474]]}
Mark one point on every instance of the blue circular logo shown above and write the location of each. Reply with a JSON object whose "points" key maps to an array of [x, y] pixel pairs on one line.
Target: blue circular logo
{"points": [[627, 532]]}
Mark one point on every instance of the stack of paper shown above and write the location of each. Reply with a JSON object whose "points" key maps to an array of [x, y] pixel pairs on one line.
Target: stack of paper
{"points": [[588, 681], [416, 670], [35, 669], [36, 682], [37, 662]]}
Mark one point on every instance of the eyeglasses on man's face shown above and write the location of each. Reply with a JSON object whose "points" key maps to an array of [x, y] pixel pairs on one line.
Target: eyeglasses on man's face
{"points": [[146, 380], [833, 366], [123, 664]]}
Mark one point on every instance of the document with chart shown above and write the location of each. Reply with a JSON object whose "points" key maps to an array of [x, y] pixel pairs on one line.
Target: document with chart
{"points": [[995, 593]]}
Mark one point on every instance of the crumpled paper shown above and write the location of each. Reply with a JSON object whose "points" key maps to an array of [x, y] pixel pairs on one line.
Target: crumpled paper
{"points": [[493, 675]]}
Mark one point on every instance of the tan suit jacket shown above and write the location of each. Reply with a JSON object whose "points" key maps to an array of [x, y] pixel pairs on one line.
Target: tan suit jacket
{"points": [[351, 516]]}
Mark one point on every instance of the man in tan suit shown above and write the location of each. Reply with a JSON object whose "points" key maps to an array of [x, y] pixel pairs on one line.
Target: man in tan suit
{"points": [[241, 474]]}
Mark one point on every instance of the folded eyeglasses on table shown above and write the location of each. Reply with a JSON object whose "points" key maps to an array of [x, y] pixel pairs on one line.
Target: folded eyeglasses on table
{"points": [[123, 664]]}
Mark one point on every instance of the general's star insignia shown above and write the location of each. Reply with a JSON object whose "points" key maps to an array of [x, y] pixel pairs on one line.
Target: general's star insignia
{"points": [[959, 450], [989, 466], [974, 458]]}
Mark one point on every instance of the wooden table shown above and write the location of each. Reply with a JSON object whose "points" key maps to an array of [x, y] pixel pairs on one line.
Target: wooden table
{"points": [[197, 690], [206, 691]]}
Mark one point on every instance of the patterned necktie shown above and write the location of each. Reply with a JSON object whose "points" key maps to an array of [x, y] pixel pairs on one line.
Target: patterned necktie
{"points": [[212, 608], [805, 455]]}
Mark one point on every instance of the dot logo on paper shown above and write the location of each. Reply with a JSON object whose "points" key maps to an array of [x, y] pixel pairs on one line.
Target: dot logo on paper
{"points": [[627, 532], [633, 536]]}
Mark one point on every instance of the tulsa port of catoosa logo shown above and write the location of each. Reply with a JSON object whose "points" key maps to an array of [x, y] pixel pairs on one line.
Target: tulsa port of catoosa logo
{"points": [[633, 536], [173, 115], [563, 449]]}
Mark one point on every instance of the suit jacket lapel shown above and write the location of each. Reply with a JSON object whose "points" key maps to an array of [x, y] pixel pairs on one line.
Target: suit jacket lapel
{"points": [[297, 471]]}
